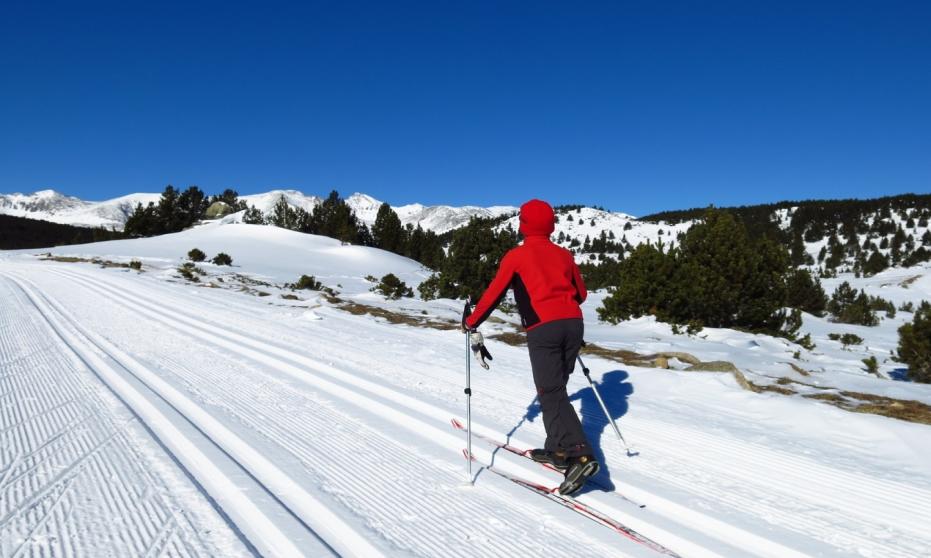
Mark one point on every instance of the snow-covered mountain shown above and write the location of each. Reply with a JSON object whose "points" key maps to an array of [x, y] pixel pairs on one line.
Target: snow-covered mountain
{"points": [[49, 205]]}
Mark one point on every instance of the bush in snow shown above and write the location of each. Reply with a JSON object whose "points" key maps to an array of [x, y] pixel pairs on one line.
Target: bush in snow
{"points": [[308, 282], [135, 264], [190, 271], [222, 259], [846, 339], [429, 287], [851, 306], [872, 366], [915, 345], [392, 287], [196, 255]]}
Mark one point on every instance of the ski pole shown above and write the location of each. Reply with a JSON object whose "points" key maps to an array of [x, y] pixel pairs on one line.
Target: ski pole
{"points": [[604, 407], [468, 389]]}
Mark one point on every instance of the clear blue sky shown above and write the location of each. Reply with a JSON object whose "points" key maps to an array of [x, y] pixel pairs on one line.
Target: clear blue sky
{"points": [[636, 106]]}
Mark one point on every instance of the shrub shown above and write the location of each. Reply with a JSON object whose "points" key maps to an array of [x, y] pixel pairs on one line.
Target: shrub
{"points": [[196, 255], [851, 306], [308, 282], [135, 264], [872, 366], [222, 259], [190, 271], [806, 342], [392, 287], [907, 307], [915, 345], [879, 304], [428, 287], [846, 339]]}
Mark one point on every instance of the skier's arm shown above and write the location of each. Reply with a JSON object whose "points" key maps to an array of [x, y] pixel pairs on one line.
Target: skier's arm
{"points": [[580, 293], [493, 294]]}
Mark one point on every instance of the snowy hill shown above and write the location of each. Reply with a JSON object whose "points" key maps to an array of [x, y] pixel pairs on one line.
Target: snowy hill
{"points": [[145, 414]]}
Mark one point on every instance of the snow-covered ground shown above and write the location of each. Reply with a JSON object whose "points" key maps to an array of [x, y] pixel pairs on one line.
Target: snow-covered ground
{"points": [[141, 414]]}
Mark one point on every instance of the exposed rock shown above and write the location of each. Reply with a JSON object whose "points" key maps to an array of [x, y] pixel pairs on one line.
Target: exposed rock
{"points": [[218, 209]]}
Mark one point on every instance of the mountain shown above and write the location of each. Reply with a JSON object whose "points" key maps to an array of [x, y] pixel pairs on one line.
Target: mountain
{"points": [[49, 205]]}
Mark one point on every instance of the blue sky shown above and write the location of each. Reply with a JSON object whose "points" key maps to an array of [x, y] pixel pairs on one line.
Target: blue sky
{"points": [[635, 106]]}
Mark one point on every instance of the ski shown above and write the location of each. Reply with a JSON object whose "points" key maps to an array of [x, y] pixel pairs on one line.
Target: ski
{"points": [[552, 493], [526, 453]]}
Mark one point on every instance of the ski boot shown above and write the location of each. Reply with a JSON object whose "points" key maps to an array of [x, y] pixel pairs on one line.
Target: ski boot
{"points": [[580, 469], [557, 459]]}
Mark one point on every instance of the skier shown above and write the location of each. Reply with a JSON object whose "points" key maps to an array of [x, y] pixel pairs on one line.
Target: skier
{"points": [[548, 289]]}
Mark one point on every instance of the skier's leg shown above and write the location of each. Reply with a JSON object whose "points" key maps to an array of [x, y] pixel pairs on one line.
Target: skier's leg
{"points": [[574, 440], [553, 347], [546, 360]]}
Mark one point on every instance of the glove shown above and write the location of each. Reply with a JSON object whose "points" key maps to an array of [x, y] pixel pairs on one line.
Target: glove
{"points": [[477, 342], [466, 312]]}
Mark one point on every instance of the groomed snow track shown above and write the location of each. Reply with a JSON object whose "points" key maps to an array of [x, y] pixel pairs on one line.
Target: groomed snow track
{"points": [[303, 500], [707, 536]]}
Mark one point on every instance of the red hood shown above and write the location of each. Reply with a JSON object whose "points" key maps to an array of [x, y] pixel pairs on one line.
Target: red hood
{"points": [[537, 218]]}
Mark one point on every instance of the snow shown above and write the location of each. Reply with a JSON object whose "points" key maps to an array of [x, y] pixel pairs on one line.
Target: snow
{"points": [[258, 423]]}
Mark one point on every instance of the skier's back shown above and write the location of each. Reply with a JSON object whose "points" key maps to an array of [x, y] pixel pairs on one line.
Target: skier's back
{"points": [[548, 289]]}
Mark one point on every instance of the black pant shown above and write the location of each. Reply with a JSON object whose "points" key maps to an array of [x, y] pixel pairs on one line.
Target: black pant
{"points": [[554, 347]]}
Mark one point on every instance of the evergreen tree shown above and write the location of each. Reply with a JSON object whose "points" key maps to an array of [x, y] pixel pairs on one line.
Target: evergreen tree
{"points": [[253, 216], [915, 345], [850, 306], [875, 264], [643, 286], [142, 222], [283, 215], [167, 211], [805, 293], [387, 232], [189, 208], [474, 254]]}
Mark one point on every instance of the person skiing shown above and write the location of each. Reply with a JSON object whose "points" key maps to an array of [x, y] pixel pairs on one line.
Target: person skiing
{"points": [[548, 289]]}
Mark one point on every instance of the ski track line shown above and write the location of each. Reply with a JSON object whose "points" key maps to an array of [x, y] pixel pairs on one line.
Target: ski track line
{"points": [[239, 343], [279, 421], [873, 499], [259, 528], [399, 418], [68, 457], [262, 419]]}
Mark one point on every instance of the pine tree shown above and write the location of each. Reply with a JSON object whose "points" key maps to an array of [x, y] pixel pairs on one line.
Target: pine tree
{"points": [[805, 293], [283, 215], [915, 345], [253, 216], [387, 232]]}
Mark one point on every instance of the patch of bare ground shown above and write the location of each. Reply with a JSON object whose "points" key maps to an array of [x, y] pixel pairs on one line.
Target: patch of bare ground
{"points": [[96, 261], [391, 316], [909, 281]]}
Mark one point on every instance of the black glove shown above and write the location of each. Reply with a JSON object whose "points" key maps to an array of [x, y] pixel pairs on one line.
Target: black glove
{"points": [[477, 342], [466, 312]]}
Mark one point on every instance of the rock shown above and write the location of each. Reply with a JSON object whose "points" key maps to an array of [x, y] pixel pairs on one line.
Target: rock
{"points": [[218, 209]]}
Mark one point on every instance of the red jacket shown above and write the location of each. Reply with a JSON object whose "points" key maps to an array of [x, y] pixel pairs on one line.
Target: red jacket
{"points": [[546, 282]]}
